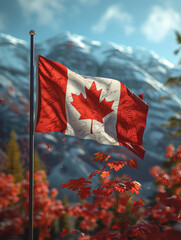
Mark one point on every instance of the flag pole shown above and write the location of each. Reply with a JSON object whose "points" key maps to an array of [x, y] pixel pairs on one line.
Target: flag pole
{"points": [[31, 136]]}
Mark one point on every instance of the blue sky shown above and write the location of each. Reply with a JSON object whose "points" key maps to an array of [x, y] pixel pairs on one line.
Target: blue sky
{"points": [[143, 23]]}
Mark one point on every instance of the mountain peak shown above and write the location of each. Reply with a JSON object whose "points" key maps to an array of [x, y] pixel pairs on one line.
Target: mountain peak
{"points": [[10, 39]]}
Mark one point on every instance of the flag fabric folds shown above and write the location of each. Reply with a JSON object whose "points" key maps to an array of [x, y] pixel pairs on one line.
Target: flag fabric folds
{"points": [[95, 108]]}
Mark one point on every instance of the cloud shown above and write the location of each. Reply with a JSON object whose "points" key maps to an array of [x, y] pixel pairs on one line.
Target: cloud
{"points": [[43, 10], [115, 13], [160, 22], [2, 22]]}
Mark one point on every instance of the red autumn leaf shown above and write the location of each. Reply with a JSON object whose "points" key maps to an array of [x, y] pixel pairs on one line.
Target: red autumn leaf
{"points": [[94, 173], [42, 155], [137, 204], [79, 185], [116, 165], [108, 156], [91, 107], [105, 174], [108, 235], [119, 187], [132, 163], [1, 101], [48, 146], [101, 157], [133, 186], [84, 192], [64, 232], [11, 89], [103, 192], [121, 225], [163, 180], [169, 150], [75, 184]]}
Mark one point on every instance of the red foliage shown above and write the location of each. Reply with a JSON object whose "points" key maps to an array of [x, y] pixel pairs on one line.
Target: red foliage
{"points": [[79, 185], [108, 235], [48, 146], [11, 89], [112, 214], [84, 237], [121, 225], [132, 163], [116, 165], [94, 173], [110, 193], [169, 150], [90, 213], [14, 205], [11, 219], [118, 191], [9, 191], [63, 233], [46, 209], [105, 174], [167, 209], [137, 205], [101, 157]]}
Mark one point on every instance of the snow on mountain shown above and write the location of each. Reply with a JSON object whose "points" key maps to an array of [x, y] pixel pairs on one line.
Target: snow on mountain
{"points": [[142, 71], [14, 54]]}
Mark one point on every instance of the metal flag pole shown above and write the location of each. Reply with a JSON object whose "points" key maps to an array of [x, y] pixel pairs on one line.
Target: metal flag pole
{"points": [[31, 140]]}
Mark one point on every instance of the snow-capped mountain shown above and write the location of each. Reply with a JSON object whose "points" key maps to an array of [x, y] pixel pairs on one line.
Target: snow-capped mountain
{"points": [[142, 71]]}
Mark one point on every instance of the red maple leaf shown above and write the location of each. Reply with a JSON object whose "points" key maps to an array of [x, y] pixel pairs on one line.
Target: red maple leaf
{"points": [[94, 173], [91, 107], [132, 163], [84, 192], [75, 184], [64, 233], [116, 165], [48, 146], [105, 174], [11, 89], [137, 204], [101, 157]]}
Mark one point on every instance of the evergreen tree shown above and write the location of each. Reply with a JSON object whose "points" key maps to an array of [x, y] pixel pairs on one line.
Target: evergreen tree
{"points": [[64, 220], [38, 164], [65, 201], [14, 165]]}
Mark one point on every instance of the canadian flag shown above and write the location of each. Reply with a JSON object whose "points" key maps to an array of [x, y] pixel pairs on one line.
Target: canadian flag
{"points": [[95, 108]]}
